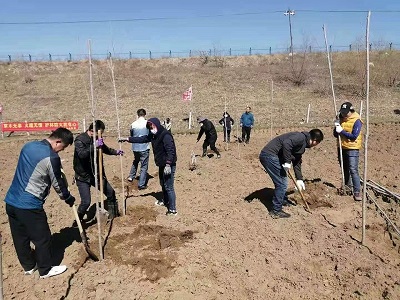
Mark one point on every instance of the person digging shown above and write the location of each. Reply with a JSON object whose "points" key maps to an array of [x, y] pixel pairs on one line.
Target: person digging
{"points": [[208, 128]]}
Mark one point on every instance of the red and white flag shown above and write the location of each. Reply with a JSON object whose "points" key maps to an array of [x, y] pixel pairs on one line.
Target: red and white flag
{"points": [[187, 95]]}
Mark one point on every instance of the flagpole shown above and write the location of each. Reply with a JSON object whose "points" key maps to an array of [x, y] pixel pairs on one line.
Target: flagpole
{"points": [[190, 105]]}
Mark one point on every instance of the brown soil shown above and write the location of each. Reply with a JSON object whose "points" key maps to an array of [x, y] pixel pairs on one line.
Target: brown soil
{"points": [[223, 244]]}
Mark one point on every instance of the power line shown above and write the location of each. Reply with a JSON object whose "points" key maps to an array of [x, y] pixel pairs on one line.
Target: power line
{"points": [[192, 17]]}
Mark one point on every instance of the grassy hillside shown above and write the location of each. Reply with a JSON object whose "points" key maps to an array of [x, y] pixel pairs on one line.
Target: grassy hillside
{"points": [[49, 91]]}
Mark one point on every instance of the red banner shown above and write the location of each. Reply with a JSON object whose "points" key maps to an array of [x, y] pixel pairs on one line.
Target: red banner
{"points": [[38, 126], [187, 95]]}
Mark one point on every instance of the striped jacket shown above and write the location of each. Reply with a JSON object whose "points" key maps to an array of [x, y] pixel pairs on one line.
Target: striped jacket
{"points": [[39, 167]]}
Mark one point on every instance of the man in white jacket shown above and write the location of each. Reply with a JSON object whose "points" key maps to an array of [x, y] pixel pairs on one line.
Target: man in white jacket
{"points": [[140, 151]]}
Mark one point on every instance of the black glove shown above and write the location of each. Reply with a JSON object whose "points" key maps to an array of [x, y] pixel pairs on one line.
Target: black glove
{"points": [[70, 200]]}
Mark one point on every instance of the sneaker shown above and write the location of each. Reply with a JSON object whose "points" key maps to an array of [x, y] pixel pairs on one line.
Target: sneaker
{"points": [[54, 271], [219, 156], [159, 203], [357, 197], [171, 213], [130, 179], [30, 272], [142, 187], [279, 214]]}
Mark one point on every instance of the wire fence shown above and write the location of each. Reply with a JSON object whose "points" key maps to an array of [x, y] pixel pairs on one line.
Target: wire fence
{"points": [[194, 53]]}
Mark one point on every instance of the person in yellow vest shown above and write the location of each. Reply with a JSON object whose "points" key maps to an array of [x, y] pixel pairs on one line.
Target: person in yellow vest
{"points": [[349, 127]]}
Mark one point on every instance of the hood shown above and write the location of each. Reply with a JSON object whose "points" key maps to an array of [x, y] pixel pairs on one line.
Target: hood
{"points": [[157, 123]]}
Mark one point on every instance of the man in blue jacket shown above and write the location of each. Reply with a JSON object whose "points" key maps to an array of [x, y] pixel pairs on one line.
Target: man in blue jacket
{"points": [[164, 151], [277, 158], [39, 168], [247, 123]]}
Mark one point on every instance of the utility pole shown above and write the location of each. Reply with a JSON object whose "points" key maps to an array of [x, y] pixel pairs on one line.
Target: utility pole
{"points": [[290, 13]]}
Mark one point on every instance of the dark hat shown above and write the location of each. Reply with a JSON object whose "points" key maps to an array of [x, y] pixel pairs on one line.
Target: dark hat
{"points": [[345, 108], [200, 119]]}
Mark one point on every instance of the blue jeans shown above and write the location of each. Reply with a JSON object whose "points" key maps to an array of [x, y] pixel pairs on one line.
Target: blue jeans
{"points": [[143, 158], [273, 167], [350, 168], [167, 185]]}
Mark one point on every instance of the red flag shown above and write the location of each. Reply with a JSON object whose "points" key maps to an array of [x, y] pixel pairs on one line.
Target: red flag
{"points": [[187, 95]]}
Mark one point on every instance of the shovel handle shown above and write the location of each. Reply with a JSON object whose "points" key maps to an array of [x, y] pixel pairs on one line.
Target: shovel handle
{"points": [[299, 189], [77, 219]]}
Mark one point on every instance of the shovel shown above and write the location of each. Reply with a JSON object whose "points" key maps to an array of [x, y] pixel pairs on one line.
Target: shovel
{"points": [[103, 212], [307, 208], [83, 236]]}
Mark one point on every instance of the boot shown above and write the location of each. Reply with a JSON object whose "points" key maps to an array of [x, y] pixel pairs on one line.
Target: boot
{"points": [[112, 208], [204, 153]]}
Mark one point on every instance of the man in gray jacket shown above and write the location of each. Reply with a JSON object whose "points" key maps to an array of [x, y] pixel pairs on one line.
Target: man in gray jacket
{"points": [[277, 158]]}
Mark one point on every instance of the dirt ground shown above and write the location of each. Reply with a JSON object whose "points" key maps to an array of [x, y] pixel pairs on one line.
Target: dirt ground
{"points": [[223, 244]]}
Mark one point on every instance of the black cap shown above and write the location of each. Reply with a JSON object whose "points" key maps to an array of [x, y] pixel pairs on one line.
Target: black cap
{"points": [[345, 108]]}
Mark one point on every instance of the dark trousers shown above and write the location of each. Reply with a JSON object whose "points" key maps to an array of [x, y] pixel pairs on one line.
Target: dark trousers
{"points": [[30, 225], [84, 193], [246, 134], [211, 143], [227, 134]]}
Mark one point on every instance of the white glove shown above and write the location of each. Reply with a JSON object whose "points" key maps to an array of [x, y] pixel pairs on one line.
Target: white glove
{"points": [[300, 184], [337, 122], [287, 166], [338, 128], [167, 170]]}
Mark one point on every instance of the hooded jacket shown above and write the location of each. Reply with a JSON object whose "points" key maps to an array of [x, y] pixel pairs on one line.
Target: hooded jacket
{"points": [[84, 157], [289, 147], [209, 129], [227, 121], [162, 142]]}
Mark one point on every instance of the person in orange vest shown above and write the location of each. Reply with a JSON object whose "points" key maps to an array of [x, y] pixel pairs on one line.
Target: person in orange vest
{"points": [[348, 126]]}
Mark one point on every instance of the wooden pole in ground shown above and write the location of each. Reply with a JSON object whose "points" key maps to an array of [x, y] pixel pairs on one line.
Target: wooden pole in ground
{"points": [[119, 136], [364, 200], [96, 181], [308, 113], [334, 106], [1, 267], [271, 110]]}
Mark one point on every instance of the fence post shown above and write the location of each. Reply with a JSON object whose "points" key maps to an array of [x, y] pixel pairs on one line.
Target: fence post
{"points": [[350, 47], [30, 57], [190, 53], [130, 54], [209, 52], [49, 56], [9, 58], [250, 51], [370, 46], [170, 54], [390, 46], [150, 54], [270, 50], [330, 48], [230, 51]]}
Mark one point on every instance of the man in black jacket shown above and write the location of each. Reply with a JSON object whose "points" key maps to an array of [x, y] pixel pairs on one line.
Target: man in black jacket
{"points": [[277, 158], [227, 122], [84, 169], [164, 151], [208, 128]]}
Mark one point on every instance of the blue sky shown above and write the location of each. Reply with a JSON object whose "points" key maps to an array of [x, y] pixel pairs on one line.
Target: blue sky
{"points": [[181, 25]]}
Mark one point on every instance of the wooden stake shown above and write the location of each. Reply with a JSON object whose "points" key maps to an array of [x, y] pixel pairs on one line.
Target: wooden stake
{"points": [[1, 267], [272, 109], [364, 200], [119, 136], [334, 106], [96, 183]]}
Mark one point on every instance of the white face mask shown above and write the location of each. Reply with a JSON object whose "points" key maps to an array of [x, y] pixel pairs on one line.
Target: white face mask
{"points": [[153, 130], [225, 116]]}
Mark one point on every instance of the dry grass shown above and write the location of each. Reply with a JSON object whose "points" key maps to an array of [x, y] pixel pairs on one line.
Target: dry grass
{"points": [[60, 90]]}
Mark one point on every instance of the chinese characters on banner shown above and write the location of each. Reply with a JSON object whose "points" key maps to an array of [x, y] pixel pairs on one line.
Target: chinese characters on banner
{"points": [[187, 95], [38, 126]]}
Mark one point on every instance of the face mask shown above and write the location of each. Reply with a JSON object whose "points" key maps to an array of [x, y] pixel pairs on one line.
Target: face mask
{"points": [[225, 116], [153, 130]]}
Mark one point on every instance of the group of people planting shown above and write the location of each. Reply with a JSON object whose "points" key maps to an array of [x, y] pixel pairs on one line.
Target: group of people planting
{"points": [[39, 168]]}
